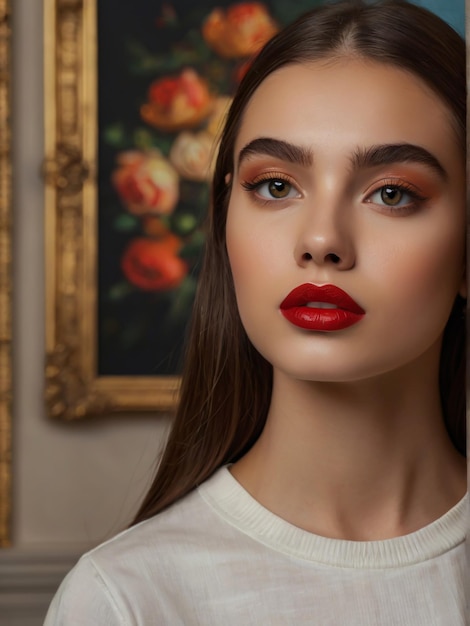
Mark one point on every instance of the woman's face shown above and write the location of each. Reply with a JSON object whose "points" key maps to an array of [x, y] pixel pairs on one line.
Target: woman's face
{"points": [[346, 222]]}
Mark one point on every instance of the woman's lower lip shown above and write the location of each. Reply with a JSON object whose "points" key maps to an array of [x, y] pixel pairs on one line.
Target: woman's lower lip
{"points": [[325, 320]]}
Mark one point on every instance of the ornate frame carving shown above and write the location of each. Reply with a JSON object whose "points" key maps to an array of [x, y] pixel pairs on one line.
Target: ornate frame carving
{"points": [[5, 276], [73, 388]]}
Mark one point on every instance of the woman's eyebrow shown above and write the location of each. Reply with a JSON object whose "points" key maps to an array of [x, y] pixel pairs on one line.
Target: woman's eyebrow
{"points": [[277, 148], [396, 153], [371, 156]]}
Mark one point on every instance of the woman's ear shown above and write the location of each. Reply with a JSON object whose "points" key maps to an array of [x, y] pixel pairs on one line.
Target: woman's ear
{"points": [[228, 178]]}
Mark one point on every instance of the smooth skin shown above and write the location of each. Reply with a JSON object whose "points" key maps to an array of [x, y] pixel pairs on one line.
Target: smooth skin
{"points": [[361, 184]]}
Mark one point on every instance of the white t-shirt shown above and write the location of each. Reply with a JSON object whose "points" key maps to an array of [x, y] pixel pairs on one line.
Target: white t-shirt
{"points": [[217, 557]]}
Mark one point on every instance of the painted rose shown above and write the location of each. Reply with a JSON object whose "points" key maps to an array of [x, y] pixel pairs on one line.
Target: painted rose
{"points": [[239, 31], [191, 155], [152, 265], [178, 102], [146, 182]]}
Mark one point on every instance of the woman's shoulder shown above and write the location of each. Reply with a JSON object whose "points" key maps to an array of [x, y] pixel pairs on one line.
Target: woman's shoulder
{"points": [[126, 570], [152, 538]]}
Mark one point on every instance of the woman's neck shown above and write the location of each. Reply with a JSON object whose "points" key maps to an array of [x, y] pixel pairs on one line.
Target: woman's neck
{"points": [[359, 461]]}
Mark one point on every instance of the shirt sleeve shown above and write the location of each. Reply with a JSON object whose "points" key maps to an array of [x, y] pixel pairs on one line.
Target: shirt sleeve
{"points": [[82, 599]]}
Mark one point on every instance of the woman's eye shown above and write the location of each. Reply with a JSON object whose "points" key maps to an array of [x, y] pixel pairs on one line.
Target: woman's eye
{"points": [[392, 196], [276, 188]]}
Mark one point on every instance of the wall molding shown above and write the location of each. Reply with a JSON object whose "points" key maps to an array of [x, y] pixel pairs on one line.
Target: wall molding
{"points": [[28, 581]]}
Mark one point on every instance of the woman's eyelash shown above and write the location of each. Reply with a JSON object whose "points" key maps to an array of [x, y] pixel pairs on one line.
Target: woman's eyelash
{"points": [[249, 185], [271, 187], [402, 187], [257, 182], [389, 189]]}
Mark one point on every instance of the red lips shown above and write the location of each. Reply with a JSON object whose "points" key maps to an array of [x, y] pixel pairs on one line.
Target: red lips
{"points": [[300, 309]]}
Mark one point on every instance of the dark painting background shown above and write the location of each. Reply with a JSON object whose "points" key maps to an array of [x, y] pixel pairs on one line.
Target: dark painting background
{"points": [[141, 332]]}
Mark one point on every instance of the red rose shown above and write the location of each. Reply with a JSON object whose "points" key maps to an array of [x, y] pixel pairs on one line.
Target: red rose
{"points": [[152, 265], [239, 32], [178, 102]]}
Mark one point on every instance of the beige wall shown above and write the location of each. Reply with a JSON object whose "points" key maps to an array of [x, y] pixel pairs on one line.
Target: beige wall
{"points": [[74, 484]]}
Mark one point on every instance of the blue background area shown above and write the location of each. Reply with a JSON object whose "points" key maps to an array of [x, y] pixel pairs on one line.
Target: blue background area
{"points": [[452, 11]]}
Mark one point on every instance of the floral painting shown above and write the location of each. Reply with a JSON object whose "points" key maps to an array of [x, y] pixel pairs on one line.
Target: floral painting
{"points": [[166, 75]]}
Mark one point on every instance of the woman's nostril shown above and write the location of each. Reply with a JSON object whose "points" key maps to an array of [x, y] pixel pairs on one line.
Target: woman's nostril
{"points": [[334, 258]]}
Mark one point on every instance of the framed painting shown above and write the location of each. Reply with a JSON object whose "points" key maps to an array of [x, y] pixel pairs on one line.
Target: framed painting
{"points": [[5, 277], [135, 96]]}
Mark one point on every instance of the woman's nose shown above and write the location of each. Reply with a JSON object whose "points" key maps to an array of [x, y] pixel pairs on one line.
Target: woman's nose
{"points": [[325, 238]]}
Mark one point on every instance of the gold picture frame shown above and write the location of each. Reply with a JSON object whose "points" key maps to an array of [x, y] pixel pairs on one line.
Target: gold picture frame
{"points": [[5, 277], [73, 387]]}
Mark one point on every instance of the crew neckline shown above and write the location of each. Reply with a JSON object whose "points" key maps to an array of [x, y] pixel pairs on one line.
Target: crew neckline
{"points": [[226, 496]]}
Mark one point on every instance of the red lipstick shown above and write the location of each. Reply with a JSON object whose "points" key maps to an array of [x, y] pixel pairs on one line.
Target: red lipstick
{"points": [[321, 308]]}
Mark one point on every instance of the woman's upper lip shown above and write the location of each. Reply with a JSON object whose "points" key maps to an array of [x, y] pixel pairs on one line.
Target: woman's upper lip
{"points": [[326, 294]]}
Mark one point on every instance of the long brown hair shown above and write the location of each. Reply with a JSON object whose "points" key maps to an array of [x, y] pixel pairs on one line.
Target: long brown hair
{"points": [[226, 384]]}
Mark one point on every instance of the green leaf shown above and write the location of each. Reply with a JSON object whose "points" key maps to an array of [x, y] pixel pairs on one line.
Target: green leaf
{"points": [[120, 291], [126, 223], [183, 300], [164, 143], [143, 139], [183, 224], [142, 62], [115, 135], [194, 247]]}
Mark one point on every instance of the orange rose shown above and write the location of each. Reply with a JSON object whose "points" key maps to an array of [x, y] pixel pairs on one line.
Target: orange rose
{"points": [[146, 182], [178, 102], [239, 32], [152, 265], [191, 154]]}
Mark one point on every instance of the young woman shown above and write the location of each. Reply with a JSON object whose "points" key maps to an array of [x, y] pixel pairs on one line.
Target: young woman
{"points": [[316, 471]]}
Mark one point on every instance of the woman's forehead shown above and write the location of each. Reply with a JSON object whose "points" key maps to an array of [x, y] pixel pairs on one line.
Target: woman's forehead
{"points": [[348, 98]]}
